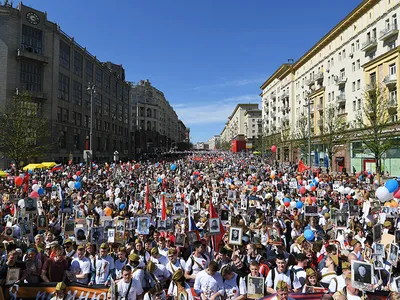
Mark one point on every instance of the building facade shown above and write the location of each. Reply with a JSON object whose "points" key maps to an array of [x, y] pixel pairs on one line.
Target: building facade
{"points": [[38, 57], [359, 53], [241, 122], [214, 143], [154, 124]]}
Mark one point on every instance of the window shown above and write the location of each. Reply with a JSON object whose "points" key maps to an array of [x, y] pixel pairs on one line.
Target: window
{"points": [[86, 121], [340, 56], [79, 119], [97, 104], [65, 115], [74, 117], [32, 40], [31, 77], [359, 103], [342, 74], [374, 34], [353, 86], [113, 111], [392, 69], [89, 71], [106, 107], [59, 114], [391, 45], [65, 53], [344, 54], [358, 84], [353, 48], [353, 67], [63, 87], [99, 77], [358, 45], [120, 113], [332, 62], [76, 141], [354, 105], [107, 83], [78, 63], [63, 140], [358, 65], [77, 93], [393, 97], [114, 87], [394, 21]]}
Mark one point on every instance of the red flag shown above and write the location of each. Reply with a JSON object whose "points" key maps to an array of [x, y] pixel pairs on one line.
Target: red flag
{"points": [[163, 208], [26, 180], [302, 167], [218, 237], [147, 199]]}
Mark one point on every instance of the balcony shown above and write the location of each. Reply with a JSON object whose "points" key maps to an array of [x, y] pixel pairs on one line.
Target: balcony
{"points": [[392, 106], [310, 82], [273, 115], [273, 96], [341, 99], [320, 107], [320, 122], [285, 95], [390, 81], [341, 80], [341, 112], [369, 44], [319, 76], [388, 32], [285, 119], [30, 55], [370, 87]]}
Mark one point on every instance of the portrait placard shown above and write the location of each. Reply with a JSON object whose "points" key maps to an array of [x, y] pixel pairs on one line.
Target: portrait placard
{"points": [[378, 262], [80, 234], [179, 209], [255, 287], [362, 275], [274, 235], [12, 275], [69, 226], [311, 210], [379, 249], [393, 254], [214, 226], [96, 235], [42, 222], [30, 206], [143, 225], [162, 225], [180, 240], [377, 232], [342, 219], [111, 235], [192, 237], [235, 235], [119, 230]]}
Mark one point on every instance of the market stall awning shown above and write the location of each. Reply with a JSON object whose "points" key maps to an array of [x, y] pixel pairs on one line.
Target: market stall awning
{"points": [[33, 167], [49, 165]]}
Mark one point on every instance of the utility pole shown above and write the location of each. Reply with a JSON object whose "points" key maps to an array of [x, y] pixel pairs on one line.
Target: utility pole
{"points": [[92, 90]]}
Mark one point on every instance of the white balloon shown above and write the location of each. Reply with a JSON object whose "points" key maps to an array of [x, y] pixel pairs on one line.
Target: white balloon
{"points": [[71, 185], [273, 173], [74, 177], [122, 184], [293, 204], [308, 187], [84, 178], [35, 187], [316, 179], [341, 189], [117, 201], [22, 175], [382, 193], [347, 190], [117, 191], [162, 176], [21, 203], [108, 193]]}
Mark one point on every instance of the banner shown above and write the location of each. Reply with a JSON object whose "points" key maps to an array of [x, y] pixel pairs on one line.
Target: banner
{"points": [[45, 291]]}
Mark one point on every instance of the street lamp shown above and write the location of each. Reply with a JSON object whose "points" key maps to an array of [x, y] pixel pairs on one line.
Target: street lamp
{"points": [[92, 90], [308, 104]]}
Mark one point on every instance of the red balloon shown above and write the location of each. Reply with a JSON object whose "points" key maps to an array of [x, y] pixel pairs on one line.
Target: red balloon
{"points": [[34, 195], [273, 148], [78, 173], [18, 181], [313, 188], [314, 199], [302, 190], [302, 199], [397, 193], [287, 204], [49, 185], [34, 181]]}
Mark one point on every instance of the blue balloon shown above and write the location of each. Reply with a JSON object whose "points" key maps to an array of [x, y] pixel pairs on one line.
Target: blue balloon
{"points": [[157, 164], [299, 204], [121, 206], [173, 167], [361, 178], [391, 185], [30, 171], [159, 179], [78, 178], [312, 184], [286, 200], [41, 191], [77, 185], [309, 235]]}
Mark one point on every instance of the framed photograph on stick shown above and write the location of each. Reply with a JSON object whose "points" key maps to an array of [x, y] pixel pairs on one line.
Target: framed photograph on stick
{"points": [[214, 225], [362, 274], [311, 210], [180, 240], [42, 222], [274, 235], [342, 219], [69, 226], [393, 254], [12, 275], [235, 235], [377, 232], [143, 224], [255, 287], [192, 237]]}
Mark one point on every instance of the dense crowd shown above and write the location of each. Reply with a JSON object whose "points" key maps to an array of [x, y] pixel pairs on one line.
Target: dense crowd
{"points": [[211, 225]]}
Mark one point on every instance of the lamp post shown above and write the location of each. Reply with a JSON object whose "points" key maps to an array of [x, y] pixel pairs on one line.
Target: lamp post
{"points": [[92, 90], [308, 104]]}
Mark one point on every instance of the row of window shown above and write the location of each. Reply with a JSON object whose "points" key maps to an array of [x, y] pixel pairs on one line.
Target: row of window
{"points": [[101, 79], [101, 144]]}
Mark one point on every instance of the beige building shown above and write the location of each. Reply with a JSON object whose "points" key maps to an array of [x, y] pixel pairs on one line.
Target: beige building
{"points": [[360, 52], [214, 142]]}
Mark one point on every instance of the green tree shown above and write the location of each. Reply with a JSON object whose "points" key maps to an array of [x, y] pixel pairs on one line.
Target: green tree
{"points": [[333, 132], [25, 132], [374, 121], [299, 136]]}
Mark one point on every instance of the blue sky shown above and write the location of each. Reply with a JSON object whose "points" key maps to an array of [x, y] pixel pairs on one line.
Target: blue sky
{"points": [[206, 56]]}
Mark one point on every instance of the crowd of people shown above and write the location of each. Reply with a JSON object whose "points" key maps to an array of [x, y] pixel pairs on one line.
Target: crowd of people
{"points": [[210, 225]]}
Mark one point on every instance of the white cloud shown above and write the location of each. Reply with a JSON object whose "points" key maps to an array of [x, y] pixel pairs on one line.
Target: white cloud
{"points": [[214, 112]]}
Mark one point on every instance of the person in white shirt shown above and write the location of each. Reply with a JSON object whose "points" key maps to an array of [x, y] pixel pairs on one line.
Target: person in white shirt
{"points": [[281, 273], [178, 285], [299, 269], [349, 292], [158, 272], [328, 273], [209, 283], [196, 263], [162, 246], [120, 263], [81, 266], [157, 258], [103, 266], [234, 286], [174, 263], [339, 282], [127, 287]]}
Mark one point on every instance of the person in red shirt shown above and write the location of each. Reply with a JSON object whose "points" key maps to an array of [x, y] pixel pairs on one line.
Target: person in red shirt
{"points": [[54, 268]]}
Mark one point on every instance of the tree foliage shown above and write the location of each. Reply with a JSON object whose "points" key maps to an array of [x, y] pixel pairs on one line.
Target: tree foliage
{"points": [[374, 121], [333, 135], [25, 132], [299, 136]]}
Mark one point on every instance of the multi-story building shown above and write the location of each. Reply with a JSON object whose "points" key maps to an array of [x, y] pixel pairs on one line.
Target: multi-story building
{"points": [[214, 142], [154, 123], [239, 123], [252, 126], [38, 57], [358, 53]]}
